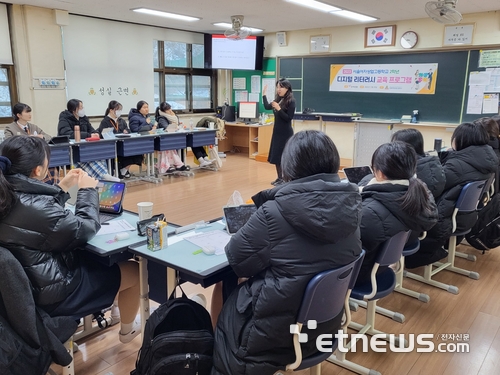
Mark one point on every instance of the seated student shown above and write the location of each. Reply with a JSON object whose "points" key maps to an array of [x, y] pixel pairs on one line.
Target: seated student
{"points": [[492, 127], [138, 118], [429, 168], [168, 161], [471, 159], [68, 119], [393, 201], [22, 126], [48, 240], [308, 225], [113, 120]]}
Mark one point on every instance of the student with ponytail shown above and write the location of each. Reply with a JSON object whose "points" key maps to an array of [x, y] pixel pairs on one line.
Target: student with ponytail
{"points": [[393, 201], [48, 240]]}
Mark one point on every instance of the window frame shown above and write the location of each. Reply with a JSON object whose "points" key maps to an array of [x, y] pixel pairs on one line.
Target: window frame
{"points": [[188, 72], [12, 90]]}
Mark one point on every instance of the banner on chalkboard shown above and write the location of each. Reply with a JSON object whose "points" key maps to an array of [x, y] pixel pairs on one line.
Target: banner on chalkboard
{"points": [[384, 78]]}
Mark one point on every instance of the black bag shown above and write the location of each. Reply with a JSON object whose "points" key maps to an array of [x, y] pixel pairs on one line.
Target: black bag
{"points": [[485, 234], [178, 339]]}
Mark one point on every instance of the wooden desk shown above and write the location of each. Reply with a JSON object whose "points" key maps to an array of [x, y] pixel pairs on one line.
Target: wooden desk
{"points": [[254, 139]]}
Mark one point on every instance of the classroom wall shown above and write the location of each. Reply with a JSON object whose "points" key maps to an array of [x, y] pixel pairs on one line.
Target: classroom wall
{"points": [[350, 39]]}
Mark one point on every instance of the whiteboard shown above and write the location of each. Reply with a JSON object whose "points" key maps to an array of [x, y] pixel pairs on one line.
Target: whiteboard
{"points": [[108, 60]]}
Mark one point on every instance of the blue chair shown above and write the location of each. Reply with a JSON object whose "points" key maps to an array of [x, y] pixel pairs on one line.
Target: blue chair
{"points": [[396, 316], [324, 298], [380, 285], [467, 202], [488, 191]]}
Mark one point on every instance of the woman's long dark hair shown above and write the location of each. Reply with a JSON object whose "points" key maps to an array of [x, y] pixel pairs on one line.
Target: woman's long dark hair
{"points": [[307, 153], [164, 107], [112, 106], [25, 154], [18, 109], [398, 161], [284, 101], [468, 134], [411, 136], [490, 124]]}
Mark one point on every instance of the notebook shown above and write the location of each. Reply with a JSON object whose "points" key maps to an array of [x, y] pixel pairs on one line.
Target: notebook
{"points": [[111, 196], [356, 174], [237, 216]]}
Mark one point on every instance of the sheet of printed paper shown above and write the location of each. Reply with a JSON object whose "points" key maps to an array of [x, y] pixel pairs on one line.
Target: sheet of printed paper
{"points": [[475, 100], [271, 88], [216, 239], [239, 83], [241, 96], [115, 226]]}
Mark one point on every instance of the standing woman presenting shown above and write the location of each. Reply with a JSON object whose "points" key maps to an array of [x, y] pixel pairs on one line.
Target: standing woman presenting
{"points": [[283, 107]]}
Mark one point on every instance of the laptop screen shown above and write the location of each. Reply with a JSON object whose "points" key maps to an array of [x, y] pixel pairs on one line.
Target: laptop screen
{"points": [[356, 174], [237, 216], [111, 196]]}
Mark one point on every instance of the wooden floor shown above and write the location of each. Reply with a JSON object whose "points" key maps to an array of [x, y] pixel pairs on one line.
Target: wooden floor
{"points": [[476, 310]]}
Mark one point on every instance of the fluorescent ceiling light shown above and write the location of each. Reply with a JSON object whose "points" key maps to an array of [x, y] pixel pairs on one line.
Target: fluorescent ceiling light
{"points": [[229, 26], [315, 5], [353, 15], [165, 14]]}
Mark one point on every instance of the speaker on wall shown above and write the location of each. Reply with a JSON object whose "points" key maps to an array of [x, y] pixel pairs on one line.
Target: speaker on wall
{"points": [[281, 38]]}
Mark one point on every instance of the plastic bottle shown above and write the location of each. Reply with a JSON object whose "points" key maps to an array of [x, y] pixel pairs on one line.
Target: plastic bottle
{"points": [[77, 133], [191, 123]]}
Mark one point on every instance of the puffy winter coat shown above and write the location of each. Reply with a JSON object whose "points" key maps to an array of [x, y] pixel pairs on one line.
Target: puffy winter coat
{"points": [[45, 237], [136, 121], [430, 171], [67, 122], [382, 218], [472, 163], [495, 145], [307, 226]]}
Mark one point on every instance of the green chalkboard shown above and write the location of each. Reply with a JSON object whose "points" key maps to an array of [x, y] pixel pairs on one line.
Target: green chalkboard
{"points": [[444, 106], [268, 71]]}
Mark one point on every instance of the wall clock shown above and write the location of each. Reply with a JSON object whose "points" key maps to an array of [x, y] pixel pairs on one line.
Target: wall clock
{"points": [[319, 43], [409, 39]]}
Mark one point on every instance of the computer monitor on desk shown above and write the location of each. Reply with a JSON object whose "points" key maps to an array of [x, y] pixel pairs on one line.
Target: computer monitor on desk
{"points": [[248, 112]]}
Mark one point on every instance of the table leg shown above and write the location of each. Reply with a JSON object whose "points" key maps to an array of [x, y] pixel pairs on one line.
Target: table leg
{"points": [[144, 292]]}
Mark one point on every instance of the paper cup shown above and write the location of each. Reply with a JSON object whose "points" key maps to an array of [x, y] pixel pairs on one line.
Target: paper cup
{"points": [[145, 210], [211, 125]]}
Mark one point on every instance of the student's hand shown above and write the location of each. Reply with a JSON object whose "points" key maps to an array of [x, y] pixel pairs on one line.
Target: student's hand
{"points": [[264, 90], [148, 120], [275, 105], [95, 135], [153, 127], [85, 181], [71, 179], [125, 131]]}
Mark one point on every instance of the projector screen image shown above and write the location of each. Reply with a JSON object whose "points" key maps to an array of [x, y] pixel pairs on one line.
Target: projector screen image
{"points": [[224, 53]]}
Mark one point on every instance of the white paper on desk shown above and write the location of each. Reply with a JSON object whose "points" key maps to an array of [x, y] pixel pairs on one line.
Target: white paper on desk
{"points": [[115, 226], [216, 239]]}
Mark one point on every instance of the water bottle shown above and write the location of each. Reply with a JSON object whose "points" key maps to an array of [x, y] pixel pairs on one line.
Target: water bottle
{"points": [[77, 133], [191, 123]]}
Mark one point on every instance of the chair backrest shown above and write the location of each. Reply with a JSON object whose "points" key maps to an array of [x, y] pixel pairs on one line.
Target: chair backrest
{"points": [[487, 191], [324, 296], [469, 196], [391, 250]]}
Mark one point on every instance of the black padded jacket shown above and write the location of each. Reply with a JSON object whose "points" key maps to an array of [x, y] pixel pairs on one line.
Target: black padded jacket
{"points": [[67, 122], [45, 237], [300, 229]]}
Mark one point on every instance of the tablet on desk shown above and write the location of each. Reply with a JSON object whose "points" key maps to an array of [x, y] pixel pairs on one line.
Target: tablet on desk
{"points": [[356, 174], [237, 216]]}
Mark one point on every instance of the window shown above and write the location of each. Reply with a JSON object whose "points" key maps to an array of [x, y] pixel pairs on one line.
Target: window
{"points": [[180, 77], [7, 93]]}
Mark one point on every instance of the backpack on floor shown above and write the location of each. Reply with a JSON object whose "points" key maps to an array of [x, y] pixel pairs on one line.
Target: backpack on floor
{"points": [[178, 339], [485, 234]]}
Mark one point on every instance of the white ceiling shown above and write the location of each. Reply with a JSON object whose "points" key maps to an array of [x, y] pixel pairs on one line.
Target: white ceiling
{"points": [[270, 15]]}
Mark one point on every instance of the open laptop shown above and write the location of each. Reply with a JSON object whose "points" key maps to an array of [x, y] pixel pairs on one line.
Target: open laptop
{"points": [[356, 174], [237, 216]]}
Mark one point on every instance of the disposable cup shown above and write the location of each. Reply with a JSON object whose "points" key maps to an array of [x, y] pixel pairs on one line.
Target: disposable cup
{"points": [[145, 210], [211, 125]]}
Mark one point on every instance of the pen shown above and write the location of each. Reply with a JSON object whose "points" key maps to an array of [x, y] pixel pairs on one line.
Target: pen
{"points": [[104, 223]]}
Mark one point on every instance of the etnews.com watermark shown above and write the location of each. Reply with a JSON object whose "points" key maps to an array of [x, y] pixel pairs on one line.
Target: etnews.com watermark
{"points": [[401, 343]]}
